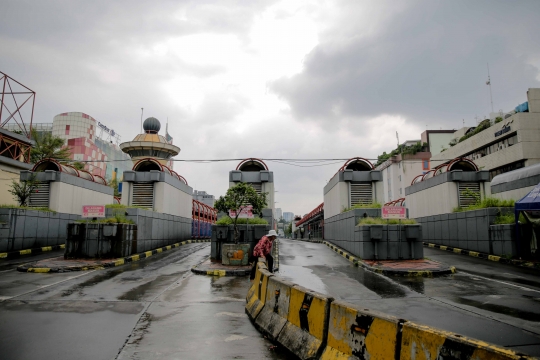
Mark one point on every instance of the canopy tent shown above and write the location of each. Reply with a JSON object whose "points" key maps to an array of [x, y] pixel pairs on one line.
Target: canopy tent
{"points": [[530, 205]]}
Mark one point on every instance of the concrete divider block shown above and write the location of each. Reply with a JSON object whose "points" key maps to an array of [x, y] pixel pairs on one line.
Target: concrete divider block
{"points": [[258, 294], [356, 333], [306, 329], [420, 342], [273, 316]]}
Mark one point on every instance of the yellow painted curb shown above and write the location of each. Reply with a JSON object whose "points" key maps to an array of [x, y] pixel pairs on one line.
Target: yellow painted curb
{"points": [[39, 270]]}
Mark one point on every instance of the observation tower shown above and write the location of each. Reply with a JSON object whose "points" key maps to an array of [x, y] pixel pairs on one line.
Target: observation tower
{"points": [[150, 144]]}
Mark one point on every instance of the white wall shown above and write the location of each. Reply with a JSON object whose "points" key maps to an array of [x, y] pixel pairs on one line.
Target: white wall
{"points": [[67, 198], [440, 199], [336, 199], [170, 200], [515, 194]]}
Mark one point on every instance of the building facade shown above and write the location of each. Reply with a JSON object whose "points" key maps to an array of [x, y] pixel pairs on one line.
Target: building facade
{"points": [[399, 171], [204, 197], [279, 214], [90, 142], [288, 216], [510, 144]]}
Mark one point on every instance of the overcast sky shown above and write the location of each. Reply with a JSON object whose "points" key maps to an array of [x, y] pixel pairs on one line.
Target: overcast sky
{"points": [[273, 79]]}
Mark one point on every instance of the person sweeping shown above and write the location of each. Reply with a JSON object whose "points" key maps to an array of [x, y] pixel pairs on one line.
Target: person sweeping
{"points": [[263, 249]]}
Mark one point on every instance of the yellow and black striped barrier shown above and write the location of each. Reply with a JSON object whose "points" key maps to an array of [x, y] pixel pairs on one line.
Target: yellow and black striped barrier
{"points": [[118, 262], [14, 254]]}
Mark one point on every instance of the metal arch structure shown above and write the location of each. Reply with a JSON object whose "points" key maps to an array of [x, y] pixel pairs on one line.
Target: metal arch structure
{"points": [[51, 164], [397, 202], [253, 160], [203, 216], [139, 163], [351, 160], [444, 167], [11, 89]]}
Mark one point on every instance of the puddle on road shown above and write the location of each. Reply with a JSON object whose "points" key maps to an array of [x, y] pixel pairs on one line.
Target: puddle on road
{"points": [[94, 280], [500, 309], [140, 291]]}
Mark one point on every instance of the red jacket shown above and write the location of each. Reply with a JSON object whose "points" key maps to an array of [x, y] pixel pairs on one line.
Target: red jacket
{"points": [[263, 247]]}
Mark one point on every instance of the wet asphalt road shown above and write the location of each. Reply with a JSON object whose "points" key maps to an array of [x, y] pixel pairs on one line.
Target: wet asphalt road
{"points": [[493, 302], [152, 309]]}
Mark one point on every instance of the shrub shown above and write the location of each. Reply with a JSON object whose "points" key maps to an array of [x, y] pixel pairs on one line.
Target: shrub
{"points": [[486, 203], [46, 209], [364, 206], [228, 221], [381, 221]]}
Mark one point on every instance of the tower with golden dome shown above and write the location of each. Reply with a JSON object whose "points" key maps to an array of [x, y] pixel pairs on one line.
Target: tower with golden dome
{"points": [[150, 144]]}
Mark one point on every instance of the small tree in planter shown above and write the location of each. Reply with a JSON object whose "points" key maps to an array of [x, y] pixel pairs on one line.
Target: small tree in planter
{"points": [[21, 191], [238, 198]]}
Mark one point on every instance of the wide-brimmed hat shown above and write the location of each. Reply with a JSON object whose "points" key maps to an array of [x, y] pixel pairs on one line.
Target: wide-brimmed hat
{"points": [[272, 233]]}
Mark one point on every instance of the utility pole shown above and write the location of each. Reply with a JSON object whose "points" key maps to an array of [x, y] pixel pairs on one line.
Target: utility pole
{"points": [[142, 111], [488, 83]]}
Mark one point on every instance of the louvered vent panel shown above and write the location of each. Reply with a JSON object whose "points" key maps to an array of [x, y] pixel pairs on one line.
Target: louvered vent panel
{"points": [[257, 187], [40, 196], [470, 197], [361, 194], [143, 195]]}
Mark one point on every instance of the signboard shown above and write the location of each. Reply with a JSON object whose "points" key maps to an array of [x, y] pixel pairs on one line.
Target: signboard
{"points": [[504, 130], [106, 129], [246, 213], [93, 211], [394, 212]]}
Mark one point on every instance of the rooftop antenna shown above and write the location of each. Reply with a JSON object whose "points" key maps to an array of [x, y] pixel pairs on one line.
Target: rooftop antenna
{"points": [[142, 111], [488, 82]]}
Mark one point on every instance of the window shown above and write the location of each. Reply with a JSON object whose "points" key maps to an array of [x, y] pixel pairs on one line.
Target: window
{"points": [[425, 165], [67, 129]]}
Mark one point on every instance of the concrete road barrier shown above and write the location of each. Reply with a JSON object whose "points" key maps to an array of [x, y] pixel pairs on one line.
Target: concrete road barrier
{"points": [[273, 316], [258, 292], [421, 342], [355, 333], [306, 329]]}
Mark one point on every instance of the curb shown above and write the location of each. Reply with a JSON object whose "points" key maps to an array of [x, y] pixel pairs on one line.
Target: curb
{"points": [[520, 263], [311, 241], [14, 254], [245, 272], [118, 262], [406, 273]]}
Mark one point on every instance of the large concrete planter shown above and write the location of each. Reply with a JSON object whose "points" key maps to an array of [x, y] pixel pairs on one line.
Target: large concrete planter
{"points": [[468, 230], [22, 229], [249, 234], [154, 229], [395, 242], [339, 229], [90, 240]]}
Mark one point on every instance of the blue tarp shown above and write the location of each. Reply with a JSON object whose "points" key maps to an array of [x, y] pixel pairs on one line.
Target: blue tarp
{"points": [[523, 107], [530, 202]]}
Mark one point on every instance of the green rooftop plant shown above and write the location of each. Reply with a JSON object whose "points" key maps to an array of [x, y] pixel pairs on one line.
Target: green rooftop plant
{"points": [[116, 219], [488, 202], [374, 205], [381, 221], [8, 206], [484, 124], [225, 220]]}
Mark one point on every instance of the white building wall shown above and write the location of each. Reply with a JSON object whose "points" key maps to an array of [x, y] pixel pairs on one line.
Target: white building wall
{"points": [[80, 125], [515, 194], [69, 199], [440, 199], [336, 199], [170, 200]]}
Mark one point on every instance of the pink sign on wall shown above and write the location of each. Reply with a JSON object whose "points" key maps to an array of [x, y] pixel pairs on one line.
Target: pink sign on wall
{"points": [[93, 211], [246, 213], [394, 212]]}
